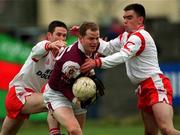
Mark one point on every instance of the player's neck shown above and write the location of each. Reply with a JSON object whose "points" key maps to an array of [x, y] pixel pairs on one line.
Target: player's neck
{"points": [[88, 54]]}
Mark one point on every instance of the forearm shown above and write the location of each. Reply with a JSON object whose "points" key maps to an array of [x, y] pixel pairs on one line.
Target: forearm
{"points": [[114, 60], [108, 48], [40, 50]]}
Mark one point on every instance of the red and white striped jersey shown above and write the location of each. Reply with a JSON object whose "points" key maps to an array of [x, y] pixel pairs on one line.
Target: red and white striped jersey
{"points": [[137, 50], [37, 68]]}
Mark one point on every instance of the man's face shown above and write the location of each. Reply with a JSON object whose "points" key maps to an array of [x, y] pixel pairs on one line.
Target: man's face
{"points": [[90, 41], [132, 21], [59, 33]]}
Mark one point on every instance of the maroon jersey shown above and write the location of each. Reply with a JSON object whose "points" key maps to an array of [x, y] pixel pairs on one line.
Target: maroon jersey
{"points": [[66, 70]]}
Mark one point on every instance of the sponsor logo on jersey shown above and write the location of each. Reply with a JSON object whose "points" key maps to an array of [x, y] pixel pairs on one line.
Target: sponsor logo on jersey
{"points": [[44, 75]]}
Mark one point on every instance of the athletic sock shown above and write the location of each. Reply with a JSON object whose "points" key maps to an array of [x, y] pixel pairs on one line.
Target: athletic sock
{"points": [[54, 131]]}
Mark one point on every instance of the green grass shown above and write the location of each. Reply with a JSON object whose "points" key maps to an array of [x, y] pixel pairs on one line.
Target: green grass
{"points": [[91, 128], [127, 126], [113, 130]]}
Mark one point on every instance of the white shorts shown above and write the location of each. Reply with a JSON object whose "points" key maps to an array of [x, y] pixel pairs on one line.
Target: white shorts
{"points": [[55, 99]]}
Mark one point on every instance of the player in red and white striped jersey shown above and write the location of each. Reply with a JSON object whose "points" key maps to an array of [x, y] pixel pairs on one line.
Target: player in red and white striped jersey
{"points": [[137, 49], [24, 96]]}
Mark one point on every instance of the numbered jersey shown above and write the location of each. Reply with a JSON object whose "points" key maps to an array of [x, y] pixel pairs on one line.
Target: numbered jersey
{"points": [[36, 70]]}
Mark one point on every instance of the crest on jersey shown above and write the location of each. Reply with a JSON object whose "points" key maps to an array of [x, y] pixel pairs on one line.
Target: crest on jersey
{"points": [[71, 69]]}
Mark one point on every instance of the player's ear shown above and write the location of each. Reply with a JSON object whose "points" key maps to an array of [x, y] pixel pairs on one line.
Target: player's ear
{"points": [[140, 20], [49, 35], [80, 38]]}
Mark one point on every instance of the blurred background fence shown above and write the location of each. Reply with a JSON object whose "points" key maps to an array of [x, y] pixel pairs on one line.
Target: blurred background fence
{"points": [[24, 23]]}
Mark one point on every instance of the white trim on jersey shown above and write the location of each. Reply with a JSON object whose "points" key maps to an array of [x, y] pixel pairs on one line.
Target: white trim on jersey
{"points": [[39, 51], [162, 93]]}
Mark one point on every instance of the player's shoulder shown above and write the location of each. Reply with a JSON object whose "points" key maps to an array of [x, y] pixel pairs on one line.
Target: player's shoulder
{"points": [[142, 34], [123, 35], [70, 53], [42, 42], [73, 50]]}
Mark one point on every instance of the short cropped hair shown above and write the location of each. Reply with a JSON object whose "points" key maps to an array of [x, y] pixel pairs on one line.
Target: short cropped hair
{"points": [[87, 25], [55, 24], [138, 8]]}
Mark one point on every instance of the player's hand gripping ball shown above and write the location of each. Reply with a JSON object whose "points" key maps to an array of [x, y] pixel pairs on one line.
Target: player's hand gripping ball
{"points": [[84, 88]]}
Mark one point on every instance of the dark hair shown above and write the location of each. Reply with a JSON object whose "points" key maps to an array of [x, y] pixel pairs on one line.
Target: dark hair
{"points": [[138, 8], [55, 24], [87, 25]]}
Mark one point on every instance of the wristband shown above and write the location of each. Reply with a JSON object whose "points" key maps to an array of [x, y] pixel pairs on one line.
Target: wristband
{"points": [[47, 46], [98, 62]]}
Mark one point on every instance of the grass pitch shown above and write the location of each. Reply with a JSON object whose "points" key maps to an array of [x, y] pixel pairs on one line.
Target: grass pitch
{"points": [[127, 126], [91, 128]]}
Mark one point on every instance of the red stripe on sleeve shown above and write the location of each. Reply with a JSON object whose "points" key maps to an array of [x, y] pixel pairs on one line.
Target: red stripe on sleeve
{"points": [[47, 46], [120, 37], [142, 43], [126, 46], [35, 60]]}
